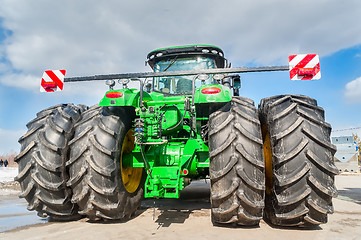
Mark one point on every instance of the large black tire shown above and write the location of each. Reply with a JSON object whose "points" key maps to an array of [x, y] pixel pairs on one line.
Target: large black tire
{"points": [[44, 151], [301, 185], [236, 164], [95, 167]]}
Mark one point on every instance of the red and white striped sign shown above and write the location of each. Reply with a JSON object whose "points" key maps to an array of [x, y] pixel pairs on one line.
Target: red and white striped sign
{"points": [[52, 81], [304, 67]]}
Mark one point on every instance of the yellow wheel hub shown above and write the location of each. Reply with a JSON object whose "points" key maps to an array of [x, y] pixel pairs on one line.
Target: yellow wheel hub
{"points": [[267, 153], [131, 176]]}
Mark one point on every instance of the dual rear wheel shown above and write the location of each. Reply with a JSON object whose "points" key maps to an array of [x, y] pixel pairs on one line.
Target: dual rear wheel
{"points": [[276, 163]]}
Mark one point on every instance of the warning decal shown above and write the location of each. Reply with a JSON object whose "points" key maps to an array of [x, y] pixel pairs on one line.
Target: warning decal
{"points": [[52, 81], [304, 67]]}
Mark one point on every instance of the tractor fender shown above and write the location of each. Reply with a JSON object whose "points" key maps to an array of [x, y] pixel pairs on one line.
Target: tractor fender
{"points": [[123, 97], [212, 93]]}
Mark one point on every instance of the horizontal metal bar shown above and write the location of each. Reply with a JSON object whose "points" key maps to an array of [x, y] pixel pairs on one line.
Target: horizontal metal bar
{"points": [[155, 143], [177, 73]]}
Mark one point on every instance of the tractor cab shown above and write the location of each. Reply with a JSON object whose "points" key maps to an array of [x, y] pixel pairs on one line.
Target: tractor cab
{"points": [[184, 58]]}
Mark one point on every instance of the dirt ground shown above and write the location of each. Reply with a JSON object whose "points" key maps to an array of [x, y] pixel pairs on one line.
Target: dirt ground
{"points": [[189, 218]]}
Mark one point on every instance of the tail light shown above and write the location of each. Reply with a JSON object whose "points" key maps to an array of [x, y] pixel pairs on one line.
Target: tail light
{"points": [[114, 94], [211, 90], [48, 85], [306, 71]]}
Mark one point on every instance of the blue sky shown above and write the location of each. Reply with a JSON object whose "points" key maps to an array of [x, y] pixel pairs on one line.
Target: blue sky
{"points": [[93, 37]]}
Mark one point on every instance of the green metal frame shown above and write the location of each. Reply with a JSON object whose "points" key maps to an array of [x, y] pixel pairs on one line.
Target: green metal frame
{"points": [[174, 161], [171, 162], [172, 151]]}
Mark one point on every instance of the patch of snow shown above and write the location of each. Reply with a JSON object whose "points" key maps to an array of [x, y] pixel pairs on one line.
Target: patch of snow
{"points": [[7, 192], [7, 174]]}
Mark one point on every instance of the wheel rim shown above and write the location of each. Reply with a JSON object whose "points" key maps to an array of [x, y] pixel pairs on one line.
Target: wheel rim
{"points": [[267, 153], [131, 176]]}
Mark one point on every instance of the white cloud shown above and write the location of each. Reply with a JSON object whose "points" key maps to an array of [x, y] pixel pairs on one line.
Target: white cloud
{"points": [[97, 37], [353, 91], [26, 81]]}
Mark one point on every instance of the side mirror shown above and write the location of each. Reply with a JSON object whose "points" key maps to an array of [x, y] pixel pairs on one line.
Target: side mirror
{"points": [[148, 87], [236, 84]]}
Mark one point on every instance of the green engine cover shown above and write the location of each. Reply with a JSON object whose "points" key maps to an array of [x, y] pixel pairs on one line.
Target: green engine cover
{"points": [[170, 120]]}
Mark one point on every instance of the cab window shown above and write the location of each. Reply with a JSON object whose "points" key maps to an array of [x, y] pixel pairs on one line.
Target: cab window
{"points": [[179, 84]]}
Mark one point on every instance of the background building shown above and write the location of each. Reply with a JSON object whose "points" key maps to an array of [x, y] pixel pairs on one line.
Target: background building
{"points": [[347, 155]]}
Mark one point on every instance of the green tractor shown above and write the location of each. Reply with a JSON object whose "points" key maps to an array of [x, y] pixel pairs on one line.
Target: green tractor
{"points": [[187, 122]]}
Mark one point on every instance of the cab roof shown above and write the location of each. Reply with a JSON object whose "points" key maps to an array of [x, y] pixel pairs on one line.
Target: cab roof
{"points": [[187, 50]]}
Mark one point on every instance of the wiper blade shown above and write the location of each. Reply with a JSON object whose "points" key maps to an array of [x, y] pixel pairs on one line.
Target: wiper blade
{"points": [[171, 64]]}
